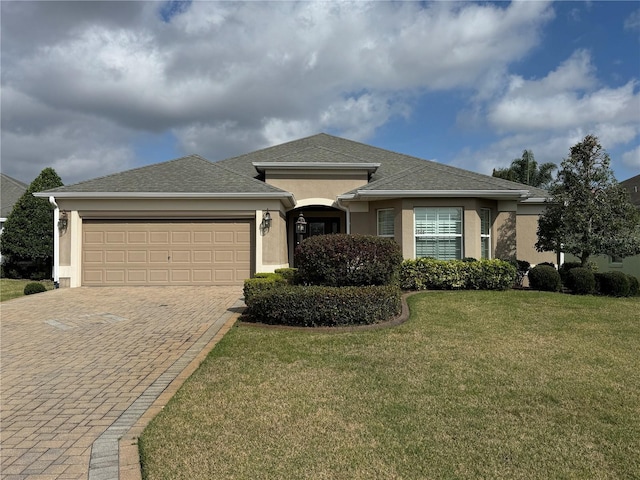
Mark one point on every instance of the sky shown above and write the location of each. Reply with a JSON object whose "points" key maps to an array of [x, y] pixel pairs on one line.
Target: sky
{"points": [[92, 88]]}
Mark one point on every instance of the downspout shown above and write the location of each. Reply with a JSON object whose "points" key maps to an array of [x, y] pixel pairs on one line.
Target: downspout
{"points": [[56, 241], [347, 213]]}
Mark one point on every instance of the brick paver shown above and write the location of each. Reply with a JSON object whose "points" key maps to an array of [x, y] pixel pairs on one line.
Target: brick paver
{"points": [[80, 366]]}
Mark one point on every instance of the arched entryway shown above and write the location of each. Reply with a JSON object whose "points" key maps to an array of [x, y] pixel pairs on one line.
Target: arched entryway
{"points": [[321, 220]]}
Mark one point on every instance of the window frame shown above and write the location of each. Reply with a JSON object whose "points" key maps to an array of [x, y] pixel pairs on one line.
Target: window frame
{"points": [[393, 225], [437, 211], [485, 236]]}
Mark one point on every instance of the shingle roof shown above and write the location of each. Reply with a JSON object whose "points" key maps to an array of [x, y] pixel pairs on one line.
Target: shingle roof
{"points": [[191, 174], [11, 191], [396, 172], [238, 175]]}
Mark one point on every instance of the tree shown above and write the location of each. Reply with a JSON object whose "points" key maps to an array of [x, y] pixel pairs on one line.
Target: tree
{"points": [[27, 239], [588, 212], [525, 170]]}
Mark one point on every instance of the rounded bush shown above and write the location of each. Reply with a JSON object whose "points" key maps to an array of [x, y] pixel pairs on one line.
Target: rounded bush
{"points": [[614, 284], [340, 260], [580, 281], [34, 287], [544, 277], [564, 270], [318, 306], [634, 286]]}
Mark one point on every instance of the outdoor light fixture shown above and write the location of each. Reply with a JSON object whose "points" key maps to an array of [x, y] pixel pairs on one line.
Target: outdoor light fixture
{"points": [[266, 221], [301, 225], [301, 228], [63, 222]]}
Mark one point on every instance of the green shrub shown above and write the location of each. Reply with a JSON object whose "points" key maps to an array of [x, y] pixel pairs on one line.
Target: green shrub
{"points": [[261, 282], [315, 306], [289, 274], [579, 280], [34, 287], [613, 284], [634, 286], [544, 277], [564, 270], [432, 274], [348, 260]]}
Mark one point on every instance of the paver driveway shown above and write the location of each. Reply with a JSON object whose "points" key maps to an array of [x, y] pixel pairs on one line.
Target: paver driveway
{"points": [[79, 366]]}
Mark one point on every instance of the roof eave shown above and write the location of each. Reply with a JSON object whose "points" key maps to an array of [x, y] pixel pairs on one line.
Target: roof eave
{"points": [[287, 198], [495, 194], [262, 166]]}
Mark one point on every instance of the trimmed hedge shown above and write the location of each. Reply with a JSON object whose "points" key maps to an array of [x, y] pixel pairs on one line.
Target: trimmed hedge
{"points": [[432, 274], [544, 277], [321, 306], [581, 281], [261, 282], [614, 284], [289, 274], [634, 286], [34, 287], [347, 260]]}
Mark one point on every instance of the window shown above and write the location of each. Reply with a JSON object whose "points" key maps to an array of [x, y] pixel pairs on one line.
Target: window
{"points": [[385, 223], [485, 232], [438, 232]]}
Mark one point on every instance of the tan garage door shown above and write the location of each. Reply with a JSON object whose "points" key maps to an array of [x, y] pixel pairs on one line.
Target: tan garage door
{"points": [[165, 252]]}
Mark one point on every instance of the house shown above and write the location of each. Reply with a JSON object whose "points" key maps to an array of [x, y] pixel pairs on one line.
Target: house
{"points": [[10, 192], [628, 265], [190, 221]]}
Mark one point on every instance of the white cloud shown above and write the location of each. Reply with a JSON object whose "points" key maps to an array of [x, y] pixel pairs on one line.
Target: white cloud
{"points": [[227, 77], [569, 97], [632, 158], [632, 22]]}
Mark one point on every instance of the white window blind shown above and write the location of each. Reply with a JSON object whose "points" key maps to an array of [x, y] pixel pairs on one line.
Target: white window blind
{"points": [[438, 232]]}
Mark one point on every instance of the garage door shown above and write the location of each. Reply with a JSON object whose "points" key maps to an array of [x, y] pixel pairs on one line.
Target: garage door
{"points": [[165, 252]]}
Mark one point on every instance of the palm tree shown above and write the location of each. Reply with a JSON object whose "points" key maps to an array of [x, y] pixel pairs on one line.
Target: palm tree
{"points": [[525, 170]]}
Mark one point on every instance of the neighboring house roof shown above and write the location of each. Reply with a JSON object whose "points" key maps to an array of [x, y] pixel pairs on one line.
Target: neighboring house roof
{"points": [[391, 173], [12, 190], [633, 186]]}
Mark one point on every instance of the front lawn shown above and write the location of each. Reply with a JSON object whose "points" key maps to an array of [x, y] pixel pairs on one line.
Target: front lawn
{"points": [[477, 384], [15, 288]]}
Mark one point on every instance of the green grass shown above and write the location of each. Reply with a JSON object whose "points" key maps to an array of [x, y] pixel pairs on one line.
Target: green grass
{"points": [[15, 288], [513, 384]]}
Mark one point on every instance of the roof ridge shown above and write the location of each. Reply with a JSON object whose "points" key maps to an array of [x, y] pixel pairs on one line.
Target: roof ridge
{"points": [[15, 181]]}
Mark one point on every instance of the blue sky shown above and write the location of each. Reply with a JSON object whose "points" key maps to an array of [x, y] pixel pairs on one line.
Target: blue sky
{"points": [[91, 88]]}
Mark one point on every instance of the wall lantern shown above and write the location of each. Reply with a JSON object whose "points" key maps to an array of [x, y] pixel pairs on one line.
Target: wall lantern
{"points": [[266, 221], [301, 225], [63, 221], [301, 228]]}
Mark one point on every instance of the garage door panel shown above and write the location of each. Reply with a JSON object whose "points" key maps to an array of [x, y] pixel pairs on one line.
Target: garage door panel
{"points": [[165, 253], [115, 238], [202, 237], [137, 237], [93, 257], [136, 276], [137, 256], [159, 256], [159, 238], [114, 276], [202, 256]]}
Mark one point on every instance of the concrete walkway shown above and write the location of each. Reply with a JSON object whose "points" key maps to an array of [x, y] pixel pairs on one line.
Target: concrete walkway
{"points": [[80, 367]]}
